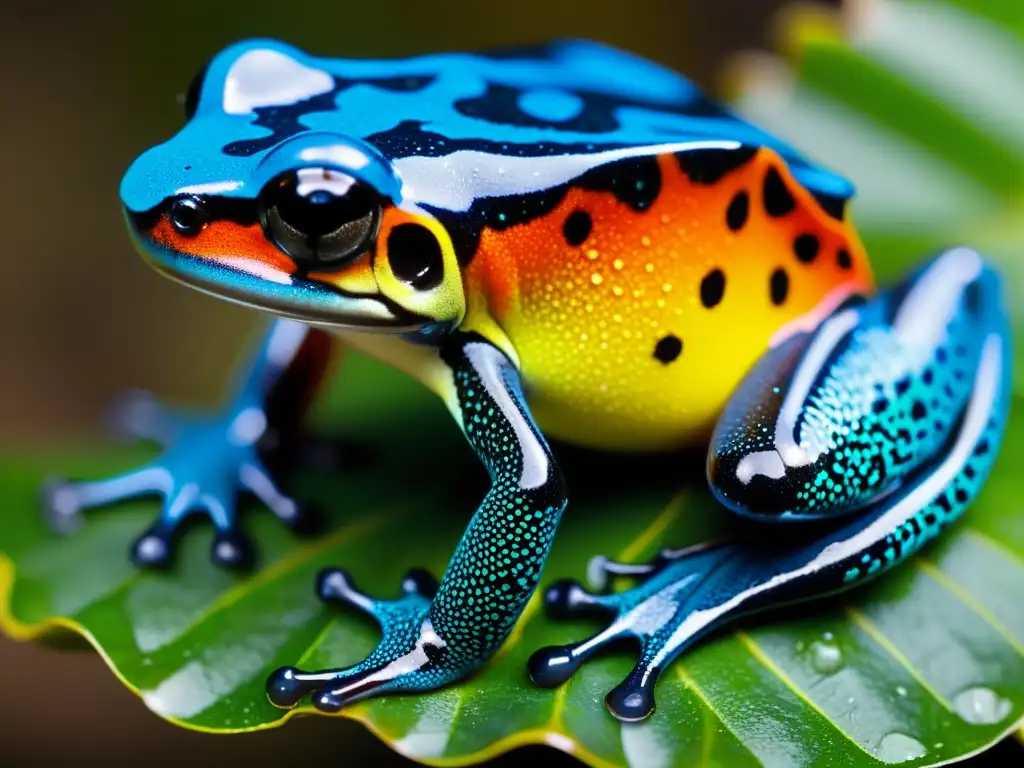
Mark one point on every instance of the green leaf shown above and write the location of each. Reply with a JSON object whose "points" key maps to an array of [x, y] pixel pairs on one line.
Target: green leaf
{"points": [[926, 665]]}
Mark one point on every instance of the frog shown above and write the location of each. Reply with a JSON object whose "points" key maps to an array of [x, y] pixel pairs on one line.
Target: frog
{"points": [[563, 242]]}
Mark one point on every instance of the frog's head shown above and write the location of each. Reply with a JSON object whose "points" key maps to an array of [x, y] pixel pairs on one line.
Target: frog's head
{"points": [[307, 224]]}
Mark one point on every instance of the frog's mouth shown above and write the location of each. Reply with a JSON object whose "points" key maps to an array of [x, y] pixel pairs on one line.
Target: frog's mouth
{"points": [[232, 260]]}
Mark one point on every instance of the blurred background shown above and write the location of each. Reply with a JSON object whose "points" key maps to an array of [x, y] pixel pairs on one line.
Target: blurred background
{"points": [[88, 86]]}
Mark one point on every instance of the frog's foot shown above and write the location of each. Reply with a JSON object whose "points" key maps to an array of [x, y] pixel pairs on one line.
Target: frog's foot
{"points": [[205, 463], [409, 657], [651, 614]]}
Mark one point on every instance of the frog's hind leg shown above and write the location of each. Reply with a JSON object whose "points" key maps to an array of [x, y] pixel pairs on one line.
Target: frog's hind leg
{"points": [[208, 459], [688, 594]]}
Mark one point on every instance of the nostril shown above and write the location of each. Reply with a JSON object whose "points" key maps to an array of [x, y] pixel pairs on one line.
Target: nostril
{"points": [[188, 216]]}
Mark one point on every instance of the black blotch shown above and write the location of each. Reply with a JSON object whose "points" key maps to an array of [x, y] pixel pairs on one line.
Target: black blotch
{"points": [[929, 518], [918, 411], [972, 298], [982, 449], [902, 386], [499, 104], [833, 205], [668, 348], [843, 259], [928, 377], [969, 472], [778, 286], [736, 213], [709, 166], [712, 288], [943, 501], [415, 256], [806, 248], [961, 496], [635, 181], [577, 227], [879, 406], [778, 201], [195, 89], [283, 120]]}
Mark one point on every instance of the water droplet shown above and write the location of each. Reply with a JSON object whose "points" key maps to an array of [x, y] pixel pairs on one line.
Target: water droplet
{"points": [[826, 658], [901, 691], [898, 748], [981, 706]]}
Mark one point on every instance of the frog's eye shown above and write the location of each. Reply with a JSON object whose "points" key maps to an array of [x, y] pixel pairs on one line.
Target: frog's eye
{"points": [[320, 217]]}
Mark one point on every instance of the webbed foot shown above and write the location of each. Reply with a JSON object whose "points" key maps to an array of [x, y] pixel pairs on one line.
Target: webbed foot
{"points": [[205, 463], [649, 614], [409, 657]]}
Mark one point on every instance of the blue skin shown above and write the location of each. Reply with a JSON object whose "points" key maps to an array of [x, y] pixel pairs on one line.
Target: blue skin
{"points": [[901, 478]]}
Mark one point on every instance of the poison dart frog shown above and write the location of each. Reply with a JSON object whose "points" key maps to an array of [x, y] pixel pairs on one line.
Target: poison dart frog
{"points": [[565, 242]]}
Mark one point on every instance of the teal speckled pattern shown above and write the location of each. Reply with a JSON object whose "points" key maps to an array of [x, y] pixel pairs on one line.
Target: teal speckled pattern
{"points": [[493, 572], [689, 593]]}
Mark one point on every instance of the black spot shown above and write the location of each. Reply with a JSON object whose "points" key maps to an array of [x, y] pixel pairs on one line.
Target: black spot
{"points": [[969, 472], [918, 411], [668, 348], [577, 227], [709, 166], [779, 286], [831, 204], [943, 501], [982, 449], [736, 213], [806, 248], [929, 518], [961, 496], [778, 201], [928, 377], [902, 386], [415, 256], [712, 288], [843, 259], [879, 405], [972, 298]]}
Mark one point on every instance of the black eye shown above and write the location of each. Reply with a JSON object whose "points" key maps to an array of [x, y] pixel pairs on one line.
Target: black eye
{"points": [[415, 256], [320, 217], [194, 89], [187, 216]]}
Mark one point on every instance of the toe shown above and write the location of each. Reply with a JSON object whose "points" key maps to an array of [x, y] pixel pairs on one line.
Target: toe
{"points": [[419, 581], [232, 549], [631, 701], [153, 548], [60, 506]]}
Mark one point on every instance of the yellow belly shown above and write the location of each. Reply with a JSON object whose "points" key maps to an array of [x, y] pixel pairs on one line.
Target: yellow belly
{"points": [[634, 338]]}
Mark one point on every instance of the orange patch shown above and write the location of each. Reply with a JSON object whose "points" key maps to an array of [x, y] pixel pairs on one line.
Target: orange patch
{"points": [[224, 240], [596, 325]]}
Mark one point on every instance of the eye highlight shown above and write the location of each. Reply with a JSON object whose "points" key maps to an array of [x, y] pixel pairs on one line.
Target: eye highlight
{"points": [[320, 217]]}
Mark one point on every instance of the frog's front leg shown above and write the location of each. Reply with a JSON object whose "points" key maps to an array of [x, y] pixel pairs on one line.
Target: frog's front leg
{"points": [[878, 431], [207, 460], [435, 634]]}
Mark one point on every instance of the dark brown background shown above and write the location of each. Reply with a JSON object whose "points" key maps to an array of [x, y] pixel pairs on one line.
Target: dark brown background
{"points": [[86, 87]]}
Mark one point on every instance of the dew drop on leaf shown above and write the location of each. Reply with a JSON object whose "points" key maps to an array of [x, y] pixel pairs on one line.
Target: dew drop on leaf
{"points": [[981, 706], [826, 658], [898, 748]]}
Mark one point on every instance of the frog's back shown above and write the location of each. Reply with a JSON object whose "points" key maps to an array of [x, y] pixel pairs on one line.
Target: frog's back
{"points": [[637, 244]]}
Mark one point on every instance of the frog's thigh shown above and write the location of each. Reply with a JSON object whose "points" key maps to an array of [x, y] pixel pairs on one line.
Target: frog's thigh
{"points": [[829, 423]]}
